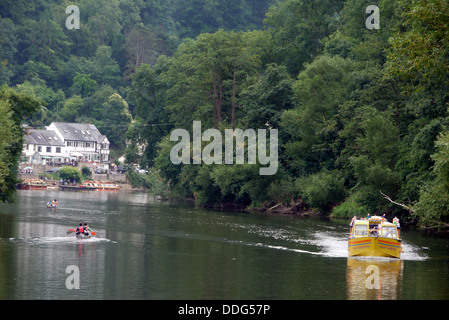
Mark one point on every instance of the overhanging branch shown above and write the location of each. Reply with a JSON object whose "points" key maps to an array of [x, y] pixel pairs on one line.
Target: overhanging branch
{"points": [[409, 209]]}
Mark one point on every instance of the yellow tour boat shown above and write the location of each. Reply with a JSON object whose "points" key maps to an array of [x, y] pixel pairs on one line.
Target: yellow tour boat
{"points": [[374, 236]]}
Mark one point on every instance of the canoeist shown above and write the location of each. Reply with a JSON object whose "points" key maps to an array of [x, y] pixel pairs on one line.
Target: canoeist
{"points": [[87, 229], [81, 230]]}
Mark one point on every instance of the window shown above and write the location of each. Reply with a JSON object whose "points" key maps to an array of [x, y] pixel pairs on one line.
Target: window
{"points": [[389, 232], [360, 230], [39, 149], [48, 149], [58, 149]]}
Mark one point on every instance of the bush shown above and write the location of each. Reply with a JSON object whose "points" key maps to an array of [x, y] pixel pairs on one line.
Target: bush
{"points": [[322, 190], [70, 174], [282, 191], [86, 172], [349, 208]]}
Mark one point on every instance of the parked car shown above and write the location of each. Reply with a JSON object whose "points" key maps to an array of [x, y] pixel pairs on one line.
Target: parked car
{"points": [[54, 170], [121, 169], [101, 170]]}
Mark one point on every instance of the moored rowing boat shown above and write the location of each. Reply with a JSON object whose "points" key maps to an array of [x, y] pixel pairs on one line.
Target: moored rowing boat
{"points": [[32, 184], [94, 186]]}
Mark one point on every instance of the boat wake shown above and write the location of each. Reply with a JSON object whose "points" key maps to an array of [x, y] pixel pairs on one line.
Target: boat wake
{"points": [[57, 240], [329, 244]]}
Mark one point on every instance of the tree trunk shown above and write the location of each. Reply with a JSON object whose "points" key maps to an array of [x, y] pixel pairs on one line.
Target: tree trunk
{"points": [[218, 94], [233, 100]]}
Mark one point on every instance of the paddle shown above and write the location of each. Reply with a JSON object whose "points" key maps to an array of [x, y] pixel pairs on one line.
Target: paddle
{"points": [[73, 230]]}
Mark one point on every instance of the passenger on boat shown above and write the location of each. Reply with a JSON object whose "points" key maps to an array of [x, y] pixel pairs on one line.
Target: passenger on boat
{"points": [[374, 230]]}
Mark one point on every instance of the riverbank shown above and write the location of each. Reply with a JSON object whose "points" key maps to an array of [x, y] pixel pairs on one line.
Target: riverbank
{"points": [[51, 184], [299, 209]]}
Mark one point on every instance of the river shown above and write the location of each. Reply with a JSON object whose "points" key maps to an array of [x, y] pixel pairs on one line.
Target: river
{"points": [[147, 249]]}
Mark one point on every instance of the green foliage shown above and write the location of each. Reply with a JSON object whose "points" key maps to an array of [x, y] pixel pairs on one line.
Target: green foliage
{"points": [[70, 174], [283, 191], [432, 209], [358, 111], [86, 172], [115, 120], [350, 207], [322, 190], [14, 108], [83, 85]]}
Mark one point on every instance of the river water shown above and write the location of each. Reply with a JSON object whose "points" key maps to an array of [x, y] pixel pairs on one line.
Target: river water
{"points": [[146, 249]]}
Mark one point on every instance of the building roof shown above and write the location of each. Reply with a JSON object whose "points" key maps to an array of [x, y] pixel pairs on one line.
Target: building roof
{"points": [[79, 132], [43, 137]]}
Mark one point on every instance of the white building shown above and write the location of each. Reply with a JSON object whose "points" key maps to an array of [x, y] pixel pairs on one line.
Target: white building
{"points": [[63, 142]]}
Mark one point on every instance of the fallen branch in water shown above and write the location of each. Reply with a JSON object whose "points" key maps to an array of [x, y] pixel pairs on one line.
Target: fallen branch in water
{"points": [[409, 209], [274, 207]]}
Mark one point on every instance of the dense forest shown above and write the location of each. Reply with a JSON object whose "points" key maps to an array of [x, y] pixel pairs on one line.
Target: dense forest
{"points": [[362, 113]]}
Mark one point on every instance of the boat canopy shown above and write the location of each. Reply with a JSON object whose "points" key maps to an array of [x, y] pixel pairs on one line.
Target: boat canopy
{"points": [[366, 228]]}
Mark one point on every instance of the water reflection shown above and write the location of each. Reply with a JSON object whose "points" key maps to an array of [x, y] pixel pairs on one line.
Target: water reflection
{"points": [[374, 279]]}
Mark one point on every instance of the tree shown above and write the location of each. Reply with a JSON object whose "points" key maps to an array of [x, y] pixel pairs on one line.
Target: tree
{"points": [[373, 155], [150, 118], [206, 77], [70, 174], [322, 87], [15, 107], [71, 108], [297, 28], [432, 209], [8, 49], [322, 190], [115, 120], [83, 85], [419, 54]]}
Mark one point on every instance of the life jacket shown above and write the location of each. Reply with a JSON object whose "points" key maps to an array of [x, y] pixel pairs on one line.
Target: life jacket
{"points": [[80, 229]]}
